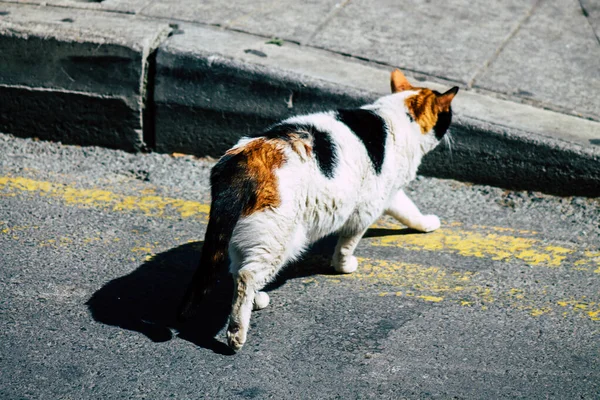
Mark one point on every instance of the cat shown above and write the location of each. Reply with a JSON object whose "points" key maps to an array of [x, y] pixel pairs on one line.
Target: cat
{"points": [[275, 193]]}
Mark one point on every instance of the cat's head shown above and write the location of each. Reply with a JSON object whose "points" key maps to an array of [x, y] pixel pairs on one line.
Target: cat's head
{"points": [[428, 108]]}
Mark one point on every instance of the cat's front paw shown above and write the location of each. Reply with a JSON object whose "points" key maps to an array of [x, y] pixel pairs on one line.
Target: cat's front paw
{"points": [[236, 337], [347, 265], [428, 223]]}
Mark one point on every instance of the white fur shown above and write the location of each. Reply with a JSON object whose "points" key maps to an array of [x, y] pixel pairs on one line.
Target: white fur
{"points": [[313, 206], [261, 300]]}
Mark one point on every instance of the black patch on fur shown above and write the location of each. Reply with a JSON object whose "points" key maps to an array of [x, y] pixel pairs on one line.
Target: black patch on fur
{"points": [[324, 151], [442, 124], [283, 131], [370, 129], [323, 147], [230, 187]]}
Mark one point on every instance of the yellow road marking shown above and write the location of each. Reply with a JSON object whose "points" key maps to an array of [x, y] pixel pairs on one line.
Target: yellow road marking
{"points": [[453, 238], [434, 299], [425, 283], [414, 276], [437, 284], [149, 205], [475, 244]]}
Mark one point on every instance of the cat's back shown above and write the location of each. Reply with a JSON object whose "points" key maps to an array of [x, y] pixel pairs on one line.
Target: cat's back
{"points": [[319, 147], [317, 167]]}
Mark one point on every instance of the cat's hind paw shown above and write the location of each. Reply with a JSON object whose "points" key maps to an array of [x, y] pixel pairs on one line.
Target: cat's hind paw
{"points": [[428, 223], [346, 266], [261, 300]]}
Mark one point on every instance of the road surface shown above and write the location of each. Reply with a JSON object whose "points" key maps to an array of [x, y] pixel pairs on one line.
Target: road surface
{"points": [[98, 245]]}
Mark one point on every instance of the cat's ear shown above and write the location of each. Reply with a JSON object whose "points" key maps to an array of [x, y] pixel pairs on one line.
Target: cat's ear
{"points": [[443, 100], [399, 82]]}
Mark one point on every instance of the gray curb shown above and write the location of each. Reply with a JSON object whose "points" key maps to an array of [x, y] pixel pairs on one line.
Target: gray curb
{"points": [[204, 88], [76, 76]]}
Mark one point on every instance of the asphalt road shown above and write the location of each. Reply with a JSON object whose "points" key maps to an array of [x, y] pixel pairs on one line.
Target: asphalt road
{"points": [[98, 245]]}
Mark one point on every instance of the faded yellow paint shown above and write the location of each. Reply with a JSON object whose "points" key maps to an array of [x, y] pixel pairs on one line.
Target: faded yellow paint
{"points": [[65, 241], [413, 276], [148, 248], [424, 283], [433, 299], [438, 284], [475, 244], [536, 312], [453, 239], [590, 309], [590, 260], [149, 205], [504, 229], [13, 230], [56, 243], [485, 294]]}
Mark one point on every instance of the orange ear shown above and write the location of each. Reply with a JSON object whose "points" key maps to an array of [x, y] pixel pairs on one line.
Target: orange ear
{"points": [[444, 100], [399, 82]]}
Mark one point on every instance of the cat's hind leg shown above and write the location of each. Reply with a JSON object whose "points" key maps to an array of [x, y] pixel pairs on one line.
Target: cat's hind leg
{"points": [[404, 210], [249, 279], [265, 252]]}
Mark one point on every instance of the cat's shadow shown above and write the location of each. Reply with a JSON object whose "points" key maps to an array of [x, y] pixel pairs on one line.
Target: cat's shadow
{"points": [[146, 299]]}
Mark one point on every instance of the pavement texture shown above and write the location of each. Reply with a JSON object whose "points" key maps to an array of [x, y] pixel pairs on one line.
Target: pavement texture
{"points": [[98, 245], [192, 77]]}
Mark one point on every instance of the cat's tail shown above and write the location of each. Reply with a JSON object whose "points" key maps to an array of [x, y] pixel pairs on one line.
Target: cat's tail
{"points": [[231, 190]]}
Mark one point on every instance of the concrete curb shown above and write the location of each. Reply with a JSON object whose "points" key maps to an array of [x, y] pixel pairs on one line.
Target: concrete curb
{"points": [[76, 76], [203, 88]]}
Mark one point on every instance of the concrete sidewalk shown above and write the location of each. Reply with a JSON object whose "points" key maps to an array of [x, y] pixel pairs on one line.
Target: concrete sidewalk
{"points": [[188, 76]]}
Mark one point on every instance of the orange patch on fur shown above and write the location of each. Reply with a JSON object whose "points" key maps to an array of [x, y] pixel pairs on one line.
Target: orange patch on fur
{"points": [[423, 109], [263, 157]]}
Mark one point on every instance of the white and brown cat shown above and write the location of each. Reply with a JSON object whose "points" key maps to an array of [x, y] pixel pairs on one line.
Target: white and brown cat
{"points": [[307, 177]]}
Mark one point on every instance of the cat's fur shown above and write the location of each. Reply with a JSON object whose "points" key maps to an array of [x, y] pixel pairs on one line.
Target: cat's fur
{"points": [[311, 176]]}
